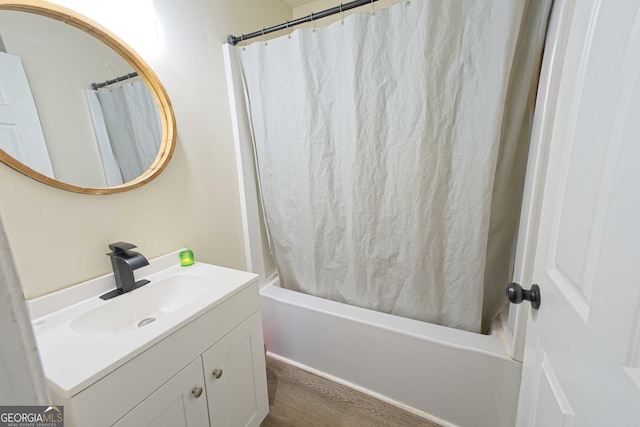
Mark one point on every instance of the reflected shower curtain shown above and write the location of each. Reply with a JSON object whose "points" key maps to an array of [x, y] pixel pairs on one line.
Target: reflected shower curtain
{"points": [[133, 125], [377, 143]]}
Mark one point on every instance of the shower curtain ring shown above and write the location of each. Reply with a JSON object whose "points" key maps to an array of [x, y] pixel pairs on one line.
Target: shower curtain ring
{"points": [[265, 38], [314, 23], [373, 8], [342, 13]]}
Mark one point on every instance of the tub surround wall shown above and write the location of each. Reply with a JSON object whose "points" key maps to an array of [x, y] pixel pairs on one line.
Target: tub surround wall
{"points": [[59, 238]]}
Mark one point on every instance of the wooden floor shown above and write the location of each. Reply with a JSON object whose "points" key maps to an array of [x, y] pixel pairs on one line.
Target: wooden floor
{"points": [[301, 399]]}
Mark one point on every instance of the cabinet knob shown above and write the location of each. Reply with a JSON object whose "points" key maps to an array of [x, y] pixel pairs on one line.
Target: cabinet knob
{"points": [[217, 373], [197, 392]]}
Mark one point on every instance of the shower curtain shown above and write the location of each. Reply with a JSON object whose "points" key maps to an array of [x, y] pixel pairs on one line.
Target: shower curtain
{"points": [[377, 142], [133, 126]]}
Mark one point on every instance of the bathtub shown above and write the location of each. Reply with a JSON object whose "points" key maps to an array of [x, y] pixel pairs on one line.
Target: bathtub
{"points": [[448, 376]]}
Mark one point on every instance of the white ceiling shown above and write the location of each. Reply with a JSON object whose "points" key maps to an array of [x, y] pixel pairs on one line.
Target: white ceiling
{"points": [[296, 3]]}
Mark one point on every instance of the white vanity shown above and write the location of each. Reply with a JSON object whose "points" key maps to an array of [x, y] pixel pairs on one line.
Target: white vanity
{"points": [[184, 350]]}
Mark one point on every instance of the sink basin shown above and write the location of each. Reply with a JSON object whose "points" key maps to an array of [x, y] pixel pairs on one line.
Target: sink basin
{"points": [[142, 306]]}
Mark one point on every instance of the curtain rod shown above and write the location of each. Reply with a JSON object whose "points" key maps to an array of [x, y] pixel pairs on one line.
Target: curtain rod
{"points": [[232, 40], [96, 86]]}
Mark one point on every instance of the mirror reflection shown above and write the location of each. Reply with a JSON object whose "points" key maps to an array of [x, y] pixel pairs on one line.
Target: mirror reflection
{"points": [[53, 121]]}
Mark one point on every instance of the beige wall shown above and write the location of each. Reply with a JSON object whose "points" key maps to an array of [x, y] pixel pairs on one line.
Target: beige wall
{"points": [[60, 238]]}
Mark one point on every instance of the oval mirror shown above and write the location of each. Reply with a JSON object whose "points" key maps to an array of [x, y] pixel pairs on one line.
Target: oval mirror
{"points": [[79, 109]]}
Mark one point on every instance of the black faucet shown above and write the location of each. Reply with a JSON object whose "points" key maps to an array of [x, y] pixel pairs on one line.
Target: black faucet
{"points": [[124, 261]]}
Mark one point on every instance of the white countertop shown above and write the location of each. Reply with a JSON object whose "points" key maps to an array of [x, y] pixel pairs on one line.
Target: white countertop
{"points": [[74, 360]]}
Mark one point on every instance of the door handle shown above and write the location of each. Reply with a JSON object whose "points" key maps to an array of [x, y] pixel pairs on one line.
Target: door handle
{"points": [[517, 294]]}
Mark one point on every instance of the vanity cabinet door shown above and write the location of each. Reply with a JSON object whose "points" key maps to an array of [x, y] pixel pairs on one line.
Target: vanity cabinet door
{"points": [[174, 404], [236, 377]]}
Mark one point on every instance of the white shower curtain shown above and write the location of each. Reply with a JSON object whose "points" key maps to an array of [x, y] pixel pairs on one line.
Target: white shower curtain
{"points": [[377, 143], [133, 125]]}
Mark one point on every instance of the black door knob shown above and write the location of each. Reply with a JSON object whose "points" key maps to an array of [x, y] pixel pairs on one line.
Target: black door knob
{"points": [[517, 294]]}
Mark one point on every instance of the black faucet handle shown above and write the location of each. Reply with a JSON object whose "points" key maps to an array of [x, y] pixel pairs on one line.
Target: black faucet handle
{"points": [[121, 248]]}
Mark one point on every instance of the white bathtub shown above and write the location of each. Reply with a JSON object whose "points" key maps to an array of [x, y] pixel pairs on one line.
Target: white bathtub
{"points": [[448, 376]]}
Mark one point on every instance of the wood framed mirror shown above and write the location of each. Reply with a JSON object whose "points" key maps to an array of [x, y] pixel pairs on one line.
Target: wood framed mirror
{"points": [[64, 45]]}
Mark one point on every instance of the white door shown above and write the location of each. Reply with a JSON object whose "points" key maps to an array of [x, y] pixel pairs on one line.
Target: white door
{"points": [[235, 377], [20, 132], [582, 355], [180, 402]]}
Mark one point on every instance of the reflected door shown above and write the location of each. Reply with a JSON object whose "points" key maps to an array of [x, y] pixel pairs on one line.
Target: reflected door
{"points": [[20, 132], [582, 357]]}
